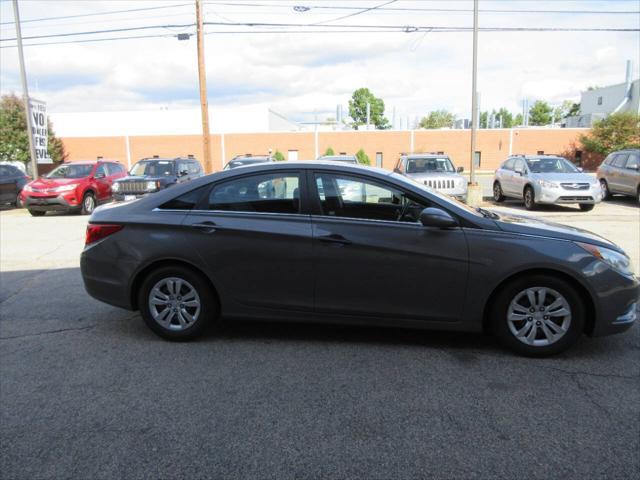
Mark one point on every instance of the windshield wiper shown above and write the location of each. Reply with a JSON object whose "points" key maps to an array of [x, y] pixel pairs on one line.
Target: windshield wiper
{"points": [[487, 213]]}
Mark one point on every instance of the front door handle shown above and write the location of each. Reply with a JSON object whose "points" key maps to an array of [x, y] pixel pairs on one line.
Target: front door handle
{"points": [[205, 227], [334, 238]]}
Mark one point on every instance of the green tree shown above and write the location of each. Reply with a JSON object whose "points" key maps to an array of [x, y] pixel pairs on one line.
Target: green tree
{"points": [[438, 119], [566, 109], [616, 132], [540, 113], [278, 156], [329, 151], [518, 120], [362, 157], [506, 117], [358, 109], [14, 142], [484, 120]]}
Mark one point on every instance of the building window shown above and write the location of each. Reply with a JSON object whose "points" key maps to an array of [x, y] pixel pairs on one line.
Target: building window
{"points": [[540, 152], [342, 153], [379, 159], [599, 100]]}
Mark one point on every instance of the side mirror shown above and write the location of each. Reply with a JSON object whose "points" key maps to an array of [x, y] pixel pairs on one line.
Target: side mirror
{"points": [[183, 173], [460, 169], [435, 217], [99, 175], [519, 172], [634, 167], [580, 169]]}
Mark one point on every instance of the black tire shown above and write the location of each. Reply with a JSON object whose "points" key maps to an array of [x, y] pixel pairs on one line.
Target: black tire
{"points": [[638, 195], [88, 204], [604, 186], [209, 307], [36, 213], [587, 207], [500, 326], [498, 196], [529, 199]]}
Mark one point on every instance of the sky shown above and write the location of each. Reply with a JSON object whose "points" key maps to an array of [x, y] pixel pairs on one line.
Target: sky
{"points": [[306, 74]]}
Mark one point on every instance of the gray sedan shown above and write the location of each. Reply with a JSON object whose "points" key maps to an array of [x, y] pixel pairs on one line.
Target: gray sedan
{"points": [[281, 240], [545, 179]]}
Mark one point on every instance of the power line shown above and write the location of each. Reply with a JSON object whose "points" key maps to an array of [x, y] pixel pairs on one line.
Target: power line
{"points": [[110, 12], [426, 9], [94, 32], [369, 9]]}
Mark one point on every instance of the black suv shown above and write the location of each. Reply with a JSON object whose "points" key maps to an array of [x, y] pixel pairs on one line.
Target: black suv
{"points": [[152, 174], [12, 180]]}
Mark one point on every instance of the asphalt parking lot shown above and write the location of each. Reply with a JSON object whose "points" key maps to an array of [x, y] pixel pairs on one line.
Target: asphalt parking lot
{"points": [[87, 391]]}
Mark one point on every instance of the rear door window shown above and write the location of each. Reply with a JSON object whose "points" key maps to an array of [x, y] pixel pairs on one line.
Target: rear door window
{"points": [[633, 162], [620, 160], [263, 193]]}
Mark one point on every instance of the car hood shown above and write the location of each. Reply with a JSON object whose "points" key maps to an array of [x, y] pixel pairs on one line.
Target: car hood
{"points": [[431, 175], [44, 182], [535, 226], [564, 177], [141, 178]]}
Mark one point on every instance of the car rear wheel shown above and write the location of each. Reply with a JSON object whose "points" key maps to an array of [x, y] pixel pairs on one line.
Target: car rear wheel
{"points": [[177, 303], [606, 194], [538, 316], [498, 196], [529, 199], [587, 207], [88, 203], [36, 213]]}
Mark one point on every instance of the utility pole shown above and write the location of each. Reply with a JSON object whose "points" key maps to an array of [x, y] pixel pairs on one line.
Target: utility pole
{"points": [[202, 78], [25, 92], [474, 94]]}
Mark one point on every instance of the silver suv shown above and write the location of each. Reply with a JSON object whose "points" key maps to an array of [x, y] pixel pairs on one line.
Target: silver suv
{"points": [[545, 179], [434, 170], [620, 173]]}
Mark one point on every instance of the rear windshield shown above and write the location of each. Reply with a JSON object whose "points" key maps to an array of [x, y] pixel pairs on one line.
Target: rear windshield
{"points": [[152, 168], [71, 171], [429, 164]]}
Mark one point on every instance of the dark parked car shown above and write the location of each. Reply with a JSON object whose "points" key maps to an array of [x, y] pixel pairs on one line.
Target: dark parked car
{"points": [[150, 175], [247, 160], [620, 173], [12, 181], [262, 242], [72, 187]]}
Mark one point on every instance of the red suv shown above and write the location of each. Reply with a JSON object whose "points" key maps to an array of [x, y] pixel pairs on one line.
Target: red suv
{"points": [[77, 186]]}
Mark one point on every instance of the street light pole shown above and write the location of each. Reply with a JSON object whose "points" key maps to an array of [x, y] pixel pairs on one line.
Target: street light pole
{"points": [[25, 92], [202, 78], [474, 94]]}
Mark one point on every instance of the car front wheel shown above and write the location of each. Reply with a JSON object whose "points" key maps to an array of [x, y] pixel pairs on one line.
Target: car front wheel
{"points": [[538, 316], [529, 199], [498, 196], [36, 213], [88, 204], [177, 303]]}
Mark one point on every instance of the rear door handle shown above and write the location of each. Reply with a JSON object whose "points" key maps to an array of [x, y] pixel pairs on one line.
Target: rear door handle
{"points": [[334, 238], [205, 227]]}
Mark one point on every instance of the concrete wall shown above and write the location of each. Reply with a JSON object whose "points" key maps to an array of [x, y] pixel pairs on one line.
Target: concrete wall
{"points": [[495, 145]]}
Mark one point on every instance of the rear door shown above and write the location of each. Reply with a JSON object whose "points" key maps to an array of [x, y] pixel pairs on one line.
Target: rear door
{"points": [[614, 178], [372, 257], [630, 175], [505, 177], [256, 242]]}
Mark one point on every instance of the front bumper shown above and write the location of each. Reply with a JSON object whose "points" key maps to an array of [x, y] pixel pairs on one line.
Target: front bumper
{"points": [[48, 203], [560, 195], [619, 300], [122, 197]]}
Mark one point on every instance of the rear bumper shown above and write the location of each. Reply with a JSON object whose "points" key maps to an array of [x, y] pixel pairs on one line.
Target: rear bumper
{"points": [[102, 281]]}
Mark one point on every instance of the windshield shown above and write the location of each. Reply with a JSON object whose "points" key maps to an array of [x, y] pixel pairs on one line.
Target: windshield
{"points": [[429, 164], [551, 165], [445, 198], [71, 171], [152, 168]]}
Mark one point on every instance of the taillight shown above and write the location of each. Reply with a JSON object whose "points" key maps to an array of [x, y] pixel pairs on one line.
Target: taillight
{"points": [[97, 232]]}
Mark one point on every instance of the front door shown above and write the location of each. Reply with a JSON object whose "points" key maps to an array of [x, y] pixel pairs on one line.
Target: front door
{"points": [[629, 175], [103, 184], [254, 241], [373, 257]]}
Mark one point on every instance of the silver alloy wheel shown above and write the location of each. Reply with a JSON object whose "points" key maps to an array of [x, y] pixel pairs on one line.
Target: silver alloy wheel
{"points": [[497, 191], [528, 198], [174, 303], [89, 203], [539, 316]]}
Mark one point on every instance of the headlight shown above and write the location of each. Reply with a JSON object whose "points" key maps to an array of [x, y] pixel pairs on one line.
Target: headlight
{"points": [[151, 185], [115, 187], [614, 259], [65, 188], [545, 184]]}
